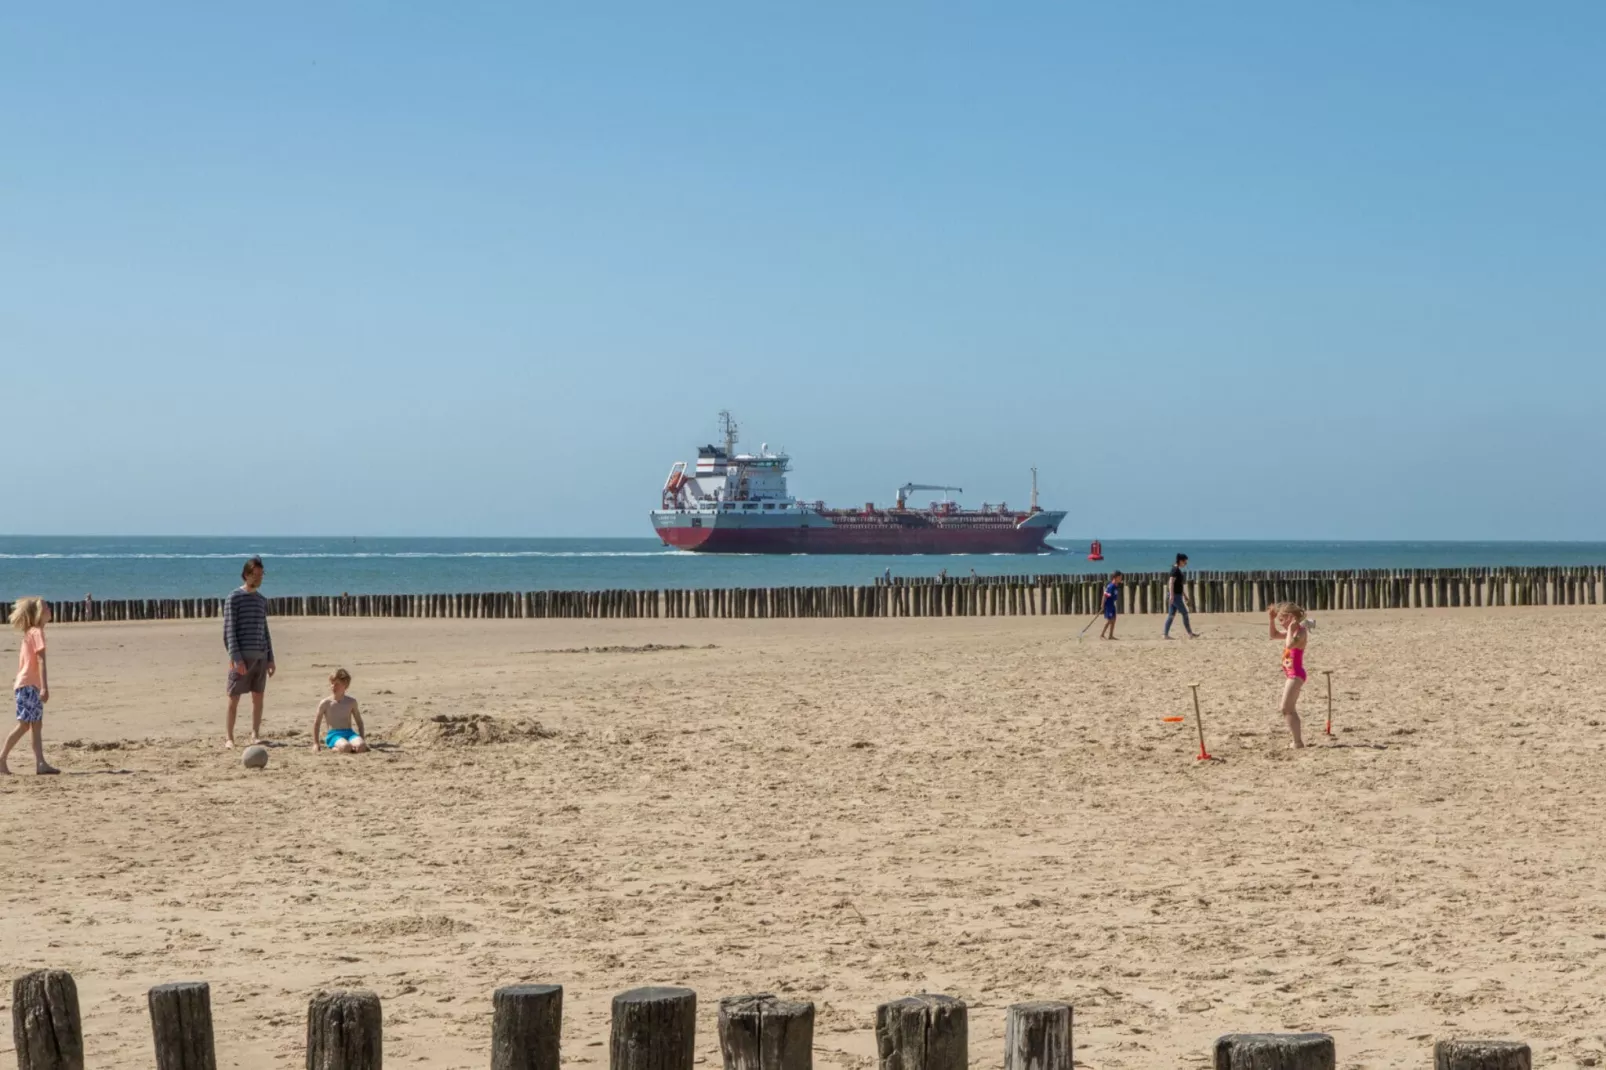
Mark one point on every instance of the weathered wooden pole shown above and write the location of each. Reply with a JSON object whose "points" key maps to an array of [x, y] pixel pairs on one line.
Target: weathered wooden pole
{"points": [[344, 1031], [181, 1025], [653, 1029], [765, 1033], [925, 1032], [1482, 1055], [526, 1027], [1275, 1051], [45, 1024], [1037, 1036]]}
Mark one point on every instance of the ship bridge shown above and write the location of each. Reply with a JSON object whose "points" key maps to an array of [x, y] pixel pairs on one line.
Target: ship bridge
{"points": [[757, 477], [724, 479]]}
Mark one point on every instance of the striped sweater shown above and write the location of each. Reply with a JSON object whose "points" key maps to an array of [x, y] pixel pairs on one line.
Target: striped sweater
{"points": [[245, 626]]}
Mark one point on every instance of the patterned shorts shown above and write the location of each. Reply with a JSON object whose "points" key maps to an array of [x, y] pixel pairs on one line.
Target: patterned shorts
{"points": [[29, 708]]}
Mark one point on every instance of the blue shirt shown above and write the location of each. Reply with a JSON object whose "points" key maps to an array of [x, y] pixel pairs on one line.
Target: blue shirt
{"points": [[1109, 593]]}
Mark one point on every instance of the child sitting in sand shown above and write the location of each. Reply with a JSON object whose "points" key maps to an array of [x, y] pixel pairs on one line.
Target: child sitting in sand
{"points": [[339, 711], [1288, 624]]}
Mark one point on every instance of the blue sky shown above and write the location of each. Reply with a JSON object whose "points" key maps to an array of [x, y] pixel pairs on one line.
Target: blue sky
{"points": [[1249, 270]]}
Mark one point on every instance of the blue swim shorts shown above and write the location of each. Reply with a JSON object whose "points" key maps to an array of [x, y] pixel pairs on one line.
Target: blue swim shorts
{"points": [[29, 708], [335, 735]]}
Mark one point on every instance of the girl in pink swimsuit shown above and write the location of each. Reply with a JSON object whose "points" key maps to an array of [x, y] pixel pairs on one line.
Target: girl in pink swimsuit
{"points": [[1288, 624]]}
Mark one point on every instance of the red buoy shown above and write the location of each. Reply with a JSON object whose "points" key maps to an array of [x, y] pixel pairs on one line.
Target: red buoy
{"points": [[1096, 551]]}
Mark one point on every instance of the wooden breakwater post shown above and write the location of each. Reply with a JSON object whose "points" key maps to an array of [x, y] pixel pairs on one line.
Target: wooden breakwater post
{"points": [[181, 1025], [653, 1029], [1057, 594], [1275, 1051], [924, 1032], [1038, 1036], [345, 1031], [1482, 1055], [765, 1033], [526, 1027], [45, 1023]]}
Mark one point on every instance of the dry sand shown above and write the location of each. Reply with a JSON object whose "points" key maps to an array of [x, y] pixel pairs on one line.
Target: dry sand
{"points": [[847, 811]]}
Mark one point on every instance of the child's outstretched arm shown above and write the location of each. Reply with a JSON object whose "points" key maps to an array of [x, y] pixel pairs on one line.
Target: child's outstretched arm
{"points": [[317, 723]]}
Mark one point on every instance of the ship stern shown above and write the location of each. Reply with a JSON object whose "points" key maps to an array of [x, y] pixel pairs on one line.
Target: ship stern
{"points": [[680, 530]]}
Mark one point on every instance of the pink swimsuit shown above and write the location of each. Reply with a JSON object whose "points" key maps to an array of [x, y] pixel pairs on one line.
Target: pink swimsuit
{"points": [[1294, 662]]}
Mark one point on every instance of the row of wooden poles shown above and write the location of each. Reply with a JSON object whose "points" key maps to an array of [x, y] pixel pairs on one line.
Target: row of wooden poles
{"points": [[1016, 596], [655, 1029]]}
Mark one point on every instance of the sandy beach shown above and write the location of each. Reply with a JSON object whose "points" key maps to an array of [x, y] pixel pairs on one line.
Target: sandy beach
{"points": [[844, 811]]}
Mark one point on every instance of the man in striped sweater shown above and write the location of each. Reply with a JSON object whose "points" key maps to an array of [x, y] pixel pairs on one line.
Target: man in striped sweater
{"points": [[245, 633]]}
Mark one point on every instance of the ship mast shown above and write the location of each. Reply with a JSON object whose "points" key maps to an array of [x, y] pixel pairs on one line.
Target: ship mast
{"points": [[1034, 488], [727, 426]]}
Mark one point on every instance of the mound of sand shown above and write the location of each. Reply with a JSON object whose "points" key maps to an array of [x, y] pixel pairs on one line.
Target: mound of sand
{"points": [[103, 744], [644, 648], [465, 730], [411, 925]]}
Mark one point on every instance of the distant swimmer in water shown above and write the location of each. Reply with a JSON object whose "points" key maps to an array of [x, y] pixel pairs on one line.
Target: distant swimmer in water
{"points": [[1288, 623]]}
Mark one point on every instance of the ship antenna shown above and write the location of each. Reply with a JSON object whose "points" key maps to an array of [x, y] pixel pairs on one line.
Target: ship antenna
{"points": [[728, 426], [1034, 488]]}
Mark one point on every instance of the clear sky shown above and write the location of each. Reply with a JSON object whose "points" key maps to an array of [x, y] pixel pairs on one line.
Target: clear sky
{"points": [[1219, 270]]}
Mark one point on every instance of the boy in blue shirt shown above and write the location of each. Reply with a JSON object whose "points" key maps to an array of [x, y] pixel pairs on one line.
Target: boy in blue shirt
{"points": [[1111, 593]]}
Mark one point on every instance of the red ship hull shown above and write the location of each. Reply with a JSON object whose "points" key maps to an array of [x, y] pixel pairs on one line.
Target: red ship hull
{"points": [[889, 539]]}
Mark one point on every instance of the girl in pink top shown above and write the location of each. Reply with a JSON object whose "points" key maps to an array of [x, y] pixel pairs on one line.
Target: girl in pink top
{"points": [[29, 616], [1288, 624]]}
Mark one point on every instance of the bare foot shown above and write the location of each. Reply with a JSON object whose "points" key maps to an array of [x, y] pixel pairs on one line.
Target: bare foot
{"points": [[1296, 746], [3, 770], [1194, 635], [229, 743], [45, 769]]}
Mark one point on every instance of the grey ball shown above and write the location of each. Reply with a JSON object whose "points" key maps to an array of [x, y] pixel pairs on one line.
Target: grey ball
{"points": [[255, 757]]}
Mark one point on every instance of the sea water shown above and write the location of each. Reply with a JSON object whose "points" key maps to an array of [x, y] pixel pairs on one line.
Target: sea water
{"points": [[65, 567]]}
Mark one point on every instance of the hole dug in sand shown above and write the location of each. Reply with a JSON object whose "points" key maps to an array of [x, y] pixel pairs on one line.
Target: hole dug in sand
{"points": [[465, 730]]}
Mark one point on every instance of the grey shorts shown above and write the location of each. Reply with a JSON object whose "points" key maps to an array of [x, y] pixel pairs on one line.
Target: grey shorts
{"points": [[254, 680]]}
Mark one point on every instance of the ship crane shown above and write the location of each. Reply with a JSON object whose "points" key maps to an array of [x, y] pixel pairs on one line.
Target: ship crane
{"points": [[904, 491]]}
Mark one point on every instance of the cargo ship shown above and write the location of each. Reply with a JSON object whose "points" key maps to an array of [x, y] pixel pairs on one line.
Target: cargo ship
{"points": [[737, 503]]}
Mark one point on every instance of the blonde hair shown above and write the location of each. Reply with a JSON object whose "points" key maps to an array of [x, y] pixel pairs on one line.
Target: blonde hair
{"points": [[342, 675], [28, 613], [1290, 609]]}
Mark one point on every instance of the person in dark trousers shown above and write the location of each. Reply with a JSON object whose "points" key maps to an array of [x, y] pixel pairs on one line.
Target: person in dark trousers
{"points": [[245, 633], [1177, 598], [1112, 594]]}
